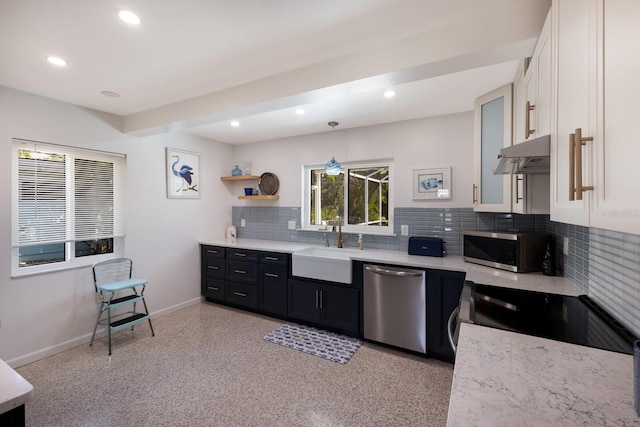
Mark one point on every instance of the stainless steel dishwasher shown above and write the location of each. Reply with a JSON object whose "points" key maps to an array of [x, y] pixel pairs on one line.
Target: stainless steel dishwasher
{"points": [[395, 307]]}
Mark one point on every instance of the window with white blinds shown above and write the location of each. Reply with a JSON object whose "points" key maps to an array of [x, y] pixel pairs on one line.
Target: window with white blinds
{"points": [[68, 203]]}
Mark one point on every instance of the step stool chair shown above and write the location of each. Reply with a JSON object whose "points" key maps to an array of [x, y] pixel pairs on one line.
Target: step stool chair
{"points": [[115, 288]]}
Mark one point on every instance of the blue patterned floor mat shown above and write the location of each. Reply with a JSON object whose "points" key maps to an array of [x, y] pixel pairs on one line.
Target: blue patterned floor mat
{"points": [[328, 345]]}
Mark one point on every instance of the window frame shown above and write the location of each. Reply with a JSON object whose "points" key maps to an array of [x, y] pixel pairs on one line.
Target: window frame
{"points": [[348, 228], [70, 259]]}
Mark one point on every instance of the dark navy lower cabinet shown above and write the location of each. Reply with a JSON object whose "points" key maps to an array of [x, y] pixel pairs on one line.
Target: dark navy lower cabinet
{"points": [[245, 278], [443, 295], [273, 288], [334, 306]]}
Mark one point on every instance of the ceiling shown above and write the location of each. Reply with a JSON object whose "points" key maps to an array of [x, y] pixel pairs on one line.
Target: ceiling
{"points": [[195, 65]]}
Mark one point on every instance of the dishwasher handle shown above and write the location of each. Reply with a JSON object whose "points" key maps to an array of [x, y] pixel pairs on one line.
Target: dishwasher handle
{"points": [[397, 273]]}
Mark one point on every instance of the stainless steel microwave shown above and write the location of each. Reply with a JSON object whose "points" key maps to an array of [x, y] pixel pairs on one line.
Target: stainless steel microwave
{"points": [[517, 252]]}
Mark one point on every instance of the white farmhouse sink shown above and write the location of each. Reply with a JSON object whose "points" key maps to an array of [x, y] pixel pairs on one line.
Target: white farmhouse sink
{"points": [[322, 263]]}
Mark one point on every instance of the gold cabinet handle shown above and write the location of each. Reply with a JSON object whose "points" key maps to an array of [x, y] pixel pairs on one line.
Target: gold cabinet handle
{"points": [[321, 297], [527, 120], [240, 271], [317, 304], [240, 294], [271, 258], [518, 180], [209, 251], [213, 288], [475, 187], [579, 141], [272, 275], [239, 254], [572, 167], [213, 267]]}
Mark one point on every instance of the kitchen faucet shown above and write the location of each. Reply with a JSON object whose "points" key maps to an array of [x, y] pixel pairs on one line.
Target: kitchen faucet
{"points": [[326, 239], [341, 241]]}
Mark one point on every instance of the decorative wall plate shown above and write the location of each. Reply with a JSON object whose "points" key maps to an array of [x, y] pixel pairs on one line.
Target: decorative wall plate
{"points": [[268, 184]]}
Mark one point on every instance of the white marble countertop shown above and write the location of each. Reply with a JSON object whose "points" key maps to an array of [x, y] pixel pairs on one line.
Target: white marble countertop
{"points": [[503, 378], [14, 390], [474, 272]]}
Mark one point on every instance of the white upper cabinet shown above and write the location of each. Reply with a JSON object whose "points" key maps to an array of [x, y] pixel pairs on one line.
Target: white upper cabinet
{"points": [[596, 65], [532, 118], [574, 65], [616, 205], [493, 114]]}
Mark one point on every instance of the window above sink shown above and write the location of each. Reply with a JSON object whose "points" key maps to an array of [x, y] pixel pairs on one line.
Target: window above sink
{"points": [[361, 194]]}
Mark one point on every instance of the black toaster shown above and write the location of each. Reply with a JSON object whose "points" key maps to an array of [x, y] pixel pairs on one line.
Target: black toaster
{"points": [[426, 246]]}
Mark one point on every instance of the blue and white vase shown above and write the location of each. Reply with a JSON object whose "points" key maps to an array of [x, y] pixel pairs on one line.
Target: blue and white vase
{"points": [[236, 171]]}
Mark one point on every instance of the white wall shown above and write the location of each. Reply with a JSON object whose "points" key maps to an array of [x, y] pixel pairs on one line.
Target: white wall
{"points": [[43, 314], [422, 143]]}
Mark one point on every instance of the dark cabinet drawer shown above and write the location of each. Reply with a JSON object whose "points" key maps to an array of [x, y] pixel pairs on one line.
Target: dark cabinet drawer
{"points": [[245, 272], [213, 251], [213, 267], [242, 255], [242, 294], [213, 288], [274, 258]]}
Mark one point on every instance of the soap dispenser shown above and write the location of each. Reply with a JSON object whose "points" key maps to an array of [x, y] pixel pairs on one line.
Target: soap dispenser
{"points": [[360, 241]]}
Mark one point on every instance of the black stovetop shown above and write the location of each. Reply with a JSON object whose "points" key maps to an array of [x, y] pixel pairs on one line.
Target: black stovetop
{"points": [[576, 320]]}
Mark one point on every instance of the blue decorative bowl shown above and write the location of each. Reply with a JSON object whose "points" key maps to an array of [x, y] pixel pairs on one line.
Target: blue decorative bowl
{"points": [[248, 191]]}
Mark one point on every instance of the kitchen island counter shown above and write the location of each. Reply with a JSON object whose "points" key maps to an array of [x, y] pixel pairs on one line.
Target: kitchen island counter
{"points": [[474, 272], [504, 378], [15, 391]]}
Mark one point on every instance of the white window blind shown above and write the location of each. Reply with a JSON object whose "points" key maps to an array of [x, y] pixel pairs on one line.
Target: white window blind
{"points": [[65, 194]]}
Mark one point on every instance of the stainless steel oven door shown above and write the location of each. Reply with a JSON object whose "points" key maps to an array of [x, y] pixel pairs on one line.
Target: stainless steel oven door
{"points": [[460, 314]]}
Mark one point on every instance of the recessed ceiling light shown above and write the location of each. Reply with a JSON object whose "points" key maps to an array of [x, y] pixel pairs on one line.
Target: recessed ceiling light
{"points": [[129, 17], [300, 111], [390, 93], [235, 123], [110, 94], [55, 60]]}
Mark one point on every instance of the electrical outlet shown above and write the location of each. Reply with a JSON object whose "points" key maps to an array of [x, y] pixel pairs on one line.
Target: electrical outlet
{"points": [[565, 246], [292, 224], [404, 230], [242, 222]]}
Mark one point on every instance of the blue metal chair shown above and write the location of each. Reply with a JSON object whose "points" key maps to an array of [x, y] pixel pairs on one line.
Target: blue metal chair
{"points": [[115, 288]]}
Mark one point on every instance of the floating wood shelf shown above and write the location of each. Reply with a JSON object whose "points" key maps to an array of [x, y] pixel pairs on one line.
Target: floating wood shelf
{"points": [[239, 178], [260, 197]]}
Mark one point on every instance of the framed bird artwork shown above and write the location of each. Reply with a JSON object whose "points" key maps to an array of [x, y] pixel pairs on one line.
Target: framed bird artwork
{"points": [[183, 174]]}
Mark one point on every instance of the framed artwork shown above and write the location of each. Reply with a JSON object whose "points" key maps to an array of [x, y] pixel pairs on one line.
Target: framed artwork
{"points": [[183, 174], [432, 184]]}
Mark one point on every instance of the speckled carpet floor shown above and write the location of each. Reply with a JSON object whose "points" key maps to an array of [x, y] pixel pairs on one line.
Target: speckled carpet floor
{"points": [[208, 365]]}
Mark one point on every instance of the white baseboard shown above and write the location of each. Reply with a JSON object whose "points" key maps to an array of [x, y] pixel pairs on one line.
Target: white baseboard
{"points": [[86, 338]]}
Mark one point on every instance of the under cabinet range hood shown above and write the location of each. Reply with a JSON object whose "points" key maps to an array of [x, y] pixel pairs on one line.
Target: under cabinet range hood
{"points": [[529, 157]]}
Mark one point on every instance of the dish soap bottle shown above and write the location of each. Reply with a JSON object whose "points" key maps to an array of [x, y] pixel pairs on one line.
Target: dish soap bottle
{"points": [[549, 261], [236, 171], [360, 241]]}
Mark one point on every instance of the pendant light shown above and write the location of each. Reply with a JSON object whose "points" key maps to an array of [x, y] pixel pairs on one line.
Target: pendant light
{"points": [[332, 167]]}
